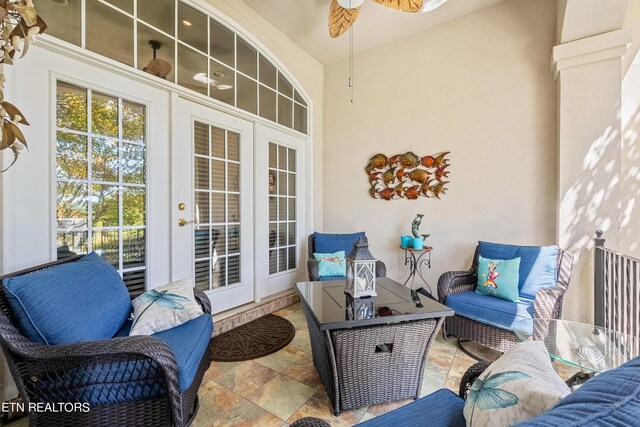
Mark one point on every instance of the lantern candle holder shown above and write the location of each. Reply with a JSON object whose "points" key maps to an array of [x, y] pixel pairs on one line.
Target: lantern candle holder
{"points": [[360, 280]]}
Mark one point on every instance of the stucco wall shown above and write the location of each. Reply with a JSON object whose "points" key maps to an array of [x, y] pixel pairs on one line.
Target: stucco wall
{"points": [[480, 87], [630, 206]]}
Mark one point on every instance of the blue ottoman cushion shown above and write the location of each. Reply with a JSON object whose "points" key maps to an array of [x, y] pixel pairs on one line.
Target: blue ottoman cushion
{"points": [[440, 409], [609, 399], [328, 243], [84, 300], [537, 264], [490, 310]]}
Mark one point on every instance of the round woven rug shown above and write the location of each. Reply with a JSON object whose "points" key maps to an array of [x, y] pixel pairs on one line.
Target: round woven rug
{"points": [[257, 338]]}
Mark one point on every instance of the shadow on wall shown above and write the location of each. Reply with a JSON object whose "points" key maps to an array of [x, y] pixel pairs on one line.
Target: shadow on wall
{"points": [[596, 201], [590, 198]]}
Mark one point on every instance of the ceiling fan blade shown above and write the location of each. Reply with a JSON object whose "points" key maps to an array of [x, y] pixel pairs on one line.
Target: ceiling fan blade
{"points": [[403, 5], [341, 19]]}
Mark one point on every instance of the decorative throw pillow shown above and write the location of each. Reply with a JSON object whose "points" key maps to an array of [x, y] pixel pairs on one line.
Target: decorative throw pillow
{"points": [[518, 386], [498, 278], [332, 264], [164, 308]]}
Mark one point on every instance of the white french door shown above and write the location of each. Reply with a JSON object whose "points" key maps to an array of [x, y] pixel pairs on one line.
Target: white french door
{"points": [[280, 205], [212, 212]]}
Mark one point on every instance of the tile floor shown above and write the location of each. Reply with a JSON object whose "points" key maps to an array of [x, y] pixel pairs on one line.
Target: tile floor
{"points": [[280, 388]]}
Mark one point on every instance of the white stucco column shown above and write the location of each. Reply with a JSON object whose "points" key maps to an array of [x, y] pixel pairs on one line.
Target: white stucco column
{"points": [[589, 74]]}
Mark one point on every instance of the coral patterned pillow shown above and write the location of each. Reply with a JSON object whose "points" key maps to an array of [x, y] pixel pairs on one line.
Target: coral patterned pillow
{"points": [[499, 278]]}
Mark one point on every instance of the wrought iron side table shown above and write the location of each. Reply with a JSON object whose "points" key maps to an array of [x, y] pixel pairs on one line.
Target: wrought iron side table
{"points": [[416, 259]]}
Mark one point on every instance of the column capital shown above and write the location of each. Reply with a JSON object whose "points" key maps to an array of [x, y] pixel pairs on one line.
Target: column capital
{"points": [[612, 44]]}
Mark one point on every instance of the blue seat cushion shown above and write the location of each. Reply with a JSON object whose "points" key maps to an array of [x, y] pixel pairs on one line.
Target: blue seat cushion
{"points": [[440, 409], [327, 278], [188, 343], [328, 243], [489, 310], [608, 399], [78, 301], [117, 382], [538, 264]]}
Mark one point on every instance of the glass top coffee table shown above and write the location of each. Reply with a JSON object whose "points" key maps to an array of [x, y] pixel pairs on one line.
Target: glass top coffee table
{"points": [[591, 348], [369, 350]]}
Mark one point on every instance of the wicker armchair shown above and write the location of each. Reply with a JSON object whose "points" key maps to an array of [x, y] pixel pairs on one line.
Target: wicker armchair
{"points": [[547, 305], [312, 264], [137, 375]]}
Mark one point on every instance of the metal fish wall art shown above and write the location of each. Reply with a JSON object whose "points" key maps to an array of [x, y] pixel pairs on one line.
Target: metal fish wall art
{"points": [[408, 175]]}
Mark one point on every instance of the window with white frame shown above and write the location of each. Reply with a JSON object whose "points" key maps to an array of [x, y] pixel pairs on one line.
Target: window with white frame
{"points": [[180, 43], [216, 169], [282, 208], [101, 179]]}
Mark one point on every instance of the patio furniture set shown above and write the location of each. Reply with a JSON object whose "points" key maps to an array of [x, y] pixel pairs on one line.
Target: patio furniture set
{"points": [[366, 350]]}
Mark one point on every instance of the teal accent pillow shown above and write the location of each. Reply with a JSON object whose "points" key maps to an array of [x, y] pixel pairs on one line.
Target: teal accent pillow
{"points": [[332, 264], [498, 278]]}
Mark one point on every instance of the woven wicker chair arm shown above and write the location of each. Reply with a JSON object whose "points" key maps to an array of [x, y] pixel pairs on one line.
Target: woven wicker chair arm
{"points": [[548, 303], [453, 282], [72, 356], [312, 266], [381, 269], [470, 376], [203, 300]]}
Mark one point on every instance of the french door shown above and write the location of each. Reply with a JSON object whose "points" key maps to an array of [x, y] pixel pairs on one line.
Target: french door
{"points": [[280, 204], [212, 212]]}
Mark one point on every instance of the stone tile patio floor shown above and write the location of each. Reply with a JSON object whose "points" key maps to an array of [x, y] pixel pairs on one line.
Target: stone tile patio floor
{"points": [[282, 387]]}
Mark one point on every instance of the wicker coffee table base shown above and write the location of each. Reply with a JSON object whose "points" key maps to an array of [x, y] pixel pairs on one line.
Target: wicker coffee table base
{"points": [[357, 370]]}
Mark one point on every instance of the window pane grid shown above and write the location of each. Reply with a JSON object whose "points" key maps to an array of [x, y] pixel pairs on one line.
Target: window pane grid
{"points": [[217, 235], [103, 215], [283, 246], [200, 35]]}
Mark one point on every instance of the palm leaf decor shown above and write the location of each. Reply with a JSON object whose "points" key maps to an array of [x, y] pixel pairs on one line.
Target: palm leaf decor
{"points": [[19, 26], [340, 18], [161, 298], [485, 394]]}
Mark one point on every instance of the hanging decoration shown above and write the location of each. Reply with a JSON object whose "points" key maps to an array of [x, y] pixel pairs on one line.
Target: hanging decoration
{"points": [[407, 176], [19, 26]]}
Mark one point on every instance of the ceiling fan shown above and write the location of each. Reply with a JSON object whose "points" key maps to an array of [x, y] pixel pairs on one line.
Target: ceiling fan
{"points": [[343, 13]]}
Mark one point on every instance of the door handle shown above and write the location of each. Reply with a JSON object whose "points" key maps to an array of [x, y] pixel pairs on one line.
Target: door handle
{"points": [[182, 222]]}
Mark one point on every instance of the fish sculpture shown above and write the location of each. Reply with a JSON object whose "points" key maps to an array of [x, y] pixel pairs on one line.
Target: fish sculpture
{"points": [[409, 160], [408, 175], [419, 175], [387, 193], [389, 176]]}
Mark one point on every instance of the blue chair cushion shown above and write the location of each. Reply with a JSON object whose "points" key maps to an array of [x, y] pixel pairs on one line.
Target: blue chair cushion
{"points": [[489, 310], [439, 409], [609, 399], [119, 382], [328, 243], [538, 264], [78, 301], [329, 278], [188, 343]]}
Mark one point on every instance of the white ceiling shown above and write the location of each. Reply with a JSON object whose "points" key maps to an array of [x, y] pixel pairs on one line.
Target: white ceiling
{"points": [[306, 22]]}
